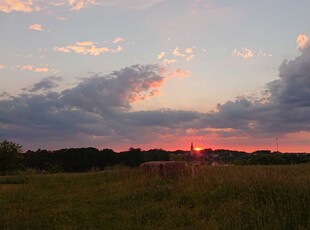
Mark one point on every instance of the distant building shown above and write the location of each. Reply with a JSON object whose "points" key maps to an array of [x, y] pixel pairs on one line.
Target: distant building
{"points": [[192, 150]]}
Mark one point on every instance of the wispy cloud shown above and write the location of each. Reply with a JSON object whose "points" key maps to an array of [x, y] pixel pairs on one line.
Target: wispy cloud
{"points": [[179, 73], [118, 49], [2, 66], [118, 39], [188, 53], [80, 4], [262, 53], [87, 47], [169, 61], [176, 54], [245, 53], [302, 41], [33, 68], [28, 6], [25, 6], [45, 84], [161, 55], [36, 27]]}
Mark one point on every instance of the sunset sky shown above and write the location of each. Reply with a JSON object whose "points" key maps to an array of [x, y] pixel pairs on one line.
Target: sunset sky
{"points": [[155, 74]]}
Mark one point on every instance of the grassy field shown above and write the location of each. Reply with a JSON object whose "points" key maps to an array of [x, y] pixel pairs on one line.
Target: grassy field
{"points": [[231, 197]]}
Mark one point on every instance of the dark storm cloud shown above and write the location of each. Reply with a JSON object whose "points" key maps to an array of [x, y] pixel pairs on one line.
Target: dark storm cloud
{"points": [[4, 94], [45, 84], [98, 106], [287, 109], [114, 91]]}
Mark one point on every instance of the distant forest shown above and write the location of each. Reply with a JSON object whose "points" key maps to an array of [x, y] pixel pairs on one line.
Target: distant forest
{"points": [[91, 159]]}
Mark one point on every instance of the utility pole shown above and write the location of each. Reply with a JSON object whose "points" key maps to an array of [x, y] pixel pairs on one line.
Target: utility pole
{"points": [[277, 145]]}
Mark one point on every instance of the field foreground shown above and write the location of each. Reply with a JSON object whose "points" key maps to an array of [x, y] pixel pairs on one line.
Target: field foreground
{"points": [[231, 197]]}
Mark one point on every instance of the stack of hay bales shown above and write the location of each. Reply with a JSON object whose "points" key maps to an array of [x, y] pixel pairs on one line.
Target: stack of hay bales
{"points": [[164, 168]]}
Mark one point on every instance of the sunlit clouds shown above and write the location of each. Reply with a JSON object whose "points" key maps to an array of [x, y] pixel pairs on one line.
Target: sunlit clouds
{"points": [[167, 61], [25, 6], [179, 73], [187, 54], [262, 53], [80, 4], [118, 39], [153, 71], [87, 48], [161, 55], [29, 6], [245, 53], [43, 69], [100, 105], [36, 27], [302, 41], [176, 54]]}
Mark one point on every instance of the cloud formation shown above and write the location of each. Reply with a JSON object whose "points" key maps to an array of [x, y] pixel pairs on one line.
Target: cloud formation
{"points": [[176, 54], [80, 4], [188, 53], [118, 39], [179, 73], [245, 53], [87, 47], [25, 6], [2, 66], [161, 55], [302, 41], [100, 106], [28, 6], [97, 106], [286, 110], [36, 27], [45, 84], [167, 61], [33, 68]]}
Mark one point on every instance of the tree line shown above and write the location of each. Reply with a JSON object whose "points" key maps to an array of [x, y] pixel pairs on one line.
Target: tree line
{"points": [[72, 159], [12, 158]]}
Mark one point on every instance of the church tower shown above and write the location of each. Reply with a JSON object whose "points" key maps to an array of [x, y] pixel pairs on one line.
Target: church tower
{"points": [[191, 154]]}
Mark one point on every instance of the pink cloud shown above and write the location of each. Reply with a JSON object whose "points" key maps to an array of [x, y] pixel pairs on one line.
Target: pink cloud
{"points": [[25, 6], [118, 49], [118, 39], [87, 47], [245, 53], [62, 49], [179, 73], [169, 61], [160, 55], [34, 69], [86, 43], [36, 27], [80, 4], [188, 53], [41, 69], [302, 41]]}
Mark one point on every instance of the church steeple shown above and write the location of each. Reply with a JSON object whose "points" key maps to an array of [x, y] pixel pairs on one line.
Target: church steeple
{"points": [[192, 149]]}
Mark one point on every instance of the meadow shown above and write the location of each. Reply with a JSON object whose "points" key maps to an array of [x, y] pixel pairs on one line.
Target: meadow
{"points": [[218, 197]]}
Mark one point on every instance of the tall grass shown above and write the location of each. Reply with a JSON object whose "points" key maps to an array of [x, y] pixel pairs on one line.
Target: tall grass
{"points": [[232, 197]]}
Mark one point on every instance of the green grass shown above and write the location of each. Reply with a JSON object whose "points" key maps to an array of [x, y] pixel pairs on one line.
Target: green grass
{"points": [[232, 197]]}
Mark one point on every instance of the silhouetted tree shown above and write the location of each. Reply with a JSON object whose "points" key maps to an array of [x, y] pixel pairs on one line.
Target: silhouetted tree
{"points": [[10, 156]]}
